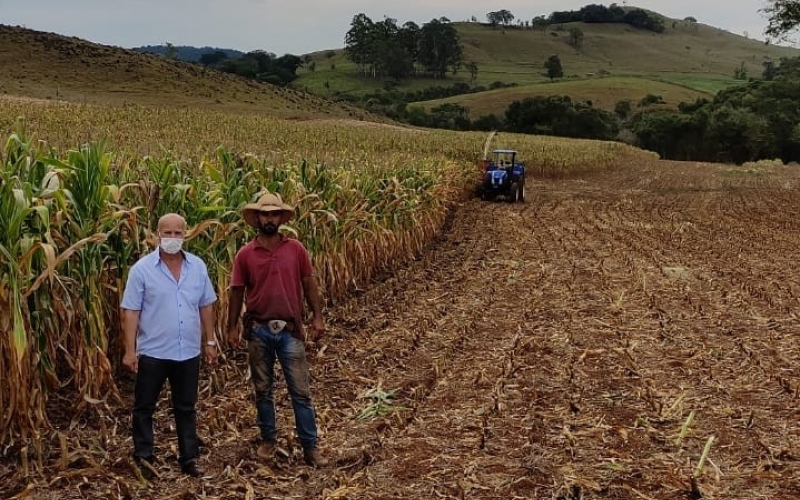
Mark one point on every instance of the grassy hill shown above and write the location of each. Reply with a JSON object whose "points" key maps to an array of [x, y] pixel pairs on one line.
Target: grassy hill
{"points": [[686, 61], [615, 62], [604, 92], [50, 66]]}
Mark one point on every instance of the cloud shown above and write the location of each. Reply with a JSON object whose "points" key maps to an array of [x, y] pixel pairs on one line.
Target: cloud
{"points": [[301, 26]]}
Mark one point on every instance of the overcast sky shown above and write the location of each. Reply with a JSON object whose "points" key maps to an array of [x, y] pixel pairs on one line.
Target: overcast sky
{"points": [[302, 26]]}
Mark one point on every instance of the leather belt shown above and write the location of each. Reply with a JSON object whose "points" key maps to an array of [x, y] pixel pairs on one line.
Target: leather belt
{"points": [[271, 323]]}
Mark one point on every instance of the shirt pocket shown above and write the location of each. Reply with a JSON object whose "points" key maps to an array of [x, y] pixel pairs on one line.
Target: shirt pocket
{"points": [[192, 290]]}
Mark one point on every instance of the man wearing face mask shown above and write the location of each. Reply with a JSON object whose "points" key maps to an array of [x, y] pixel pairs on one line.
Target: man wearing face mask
{"points": [[274, 274], [168, 320]]}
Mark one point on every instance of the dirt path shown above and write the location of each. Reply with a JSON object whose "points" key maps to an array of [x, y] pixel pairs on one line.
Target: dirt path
{"points": [[548, 350]]}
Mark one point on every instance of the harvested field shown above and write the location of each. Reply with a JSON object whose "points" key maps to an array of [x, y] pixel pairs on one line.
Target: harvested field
{"points": [[587, 344]]}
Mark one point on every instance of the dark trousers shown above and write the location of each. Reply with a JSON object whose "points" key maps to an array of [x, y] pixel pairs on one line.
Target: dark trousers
{"points": [[183, 379]]}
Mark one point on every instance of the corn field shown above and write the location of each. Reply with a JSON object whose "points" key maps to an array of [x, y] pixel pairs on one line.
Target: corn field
{"points": [[82, 187]]}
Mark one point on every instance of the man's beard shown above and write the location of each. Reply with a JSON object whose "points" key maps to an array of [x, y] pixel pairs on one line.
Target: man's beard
{"points": [[268, 229]]}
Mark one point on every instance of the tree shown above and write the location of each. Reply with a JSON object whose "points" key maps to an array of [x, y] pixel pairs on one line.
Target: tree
{"points": [[450, 116], [264, 67], [487, 123], [408, 39], [541, 23], [439, 48], [639, 18], [623, 108], [740, 73], [561, 17], [553, 67], [788, 69], [211, 58], [670, 134], [650, 99], [576, 37], [503, 17], [784, 17], [473, 71], [389, 56], [358, 42], [385, 50], [740, 134], [747, 122], [690, 23], [558, 115], [506, 16], [170, 52], [596, 14]]}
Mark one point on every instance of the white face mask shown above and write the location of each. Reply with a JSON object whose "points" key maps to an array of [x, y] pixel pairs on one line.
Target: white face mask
{"points": [[171, 245]]}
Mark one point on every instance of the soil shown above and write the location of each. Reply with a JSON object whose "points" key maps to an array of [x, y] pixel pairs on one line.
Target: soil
{"points": [[589, 343]]}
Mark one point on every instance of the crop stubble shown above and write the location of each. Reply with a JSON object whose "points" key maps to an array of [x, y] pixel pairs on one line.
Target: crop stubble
{"points": [[548, 350]]}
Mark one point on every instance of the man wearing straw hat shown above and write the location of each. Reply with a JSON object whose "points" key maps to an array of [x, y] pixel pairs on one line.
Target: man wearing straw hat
{"points": [[274, 274]]}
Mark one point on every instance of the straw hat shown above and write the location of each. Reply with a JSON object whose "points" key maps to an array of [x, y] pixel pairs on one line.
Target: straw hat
{"points": [[268, 202]]}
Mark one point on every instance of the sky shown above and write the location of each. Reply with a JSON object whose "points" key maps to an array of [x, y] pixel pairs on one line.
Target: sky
{"points": [[303, 26]]}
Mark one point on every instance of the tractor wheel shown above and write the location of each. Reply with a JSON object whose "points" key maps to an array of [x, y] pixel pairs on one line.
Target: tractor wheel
{"points": [[513, 194], [522, 191]]}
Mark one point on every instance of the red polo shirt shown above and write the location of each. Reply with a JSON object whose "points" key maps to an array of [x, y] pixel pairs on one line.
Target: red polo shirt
{"points": [[273, 279]]}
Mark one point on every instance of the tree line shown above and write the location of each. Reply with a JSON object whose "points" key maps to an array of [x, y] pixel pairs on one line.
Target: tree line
{"points": [[385, 50], [551, 115], [257, 65], [186, 53], [758, 120], [594, 13]]}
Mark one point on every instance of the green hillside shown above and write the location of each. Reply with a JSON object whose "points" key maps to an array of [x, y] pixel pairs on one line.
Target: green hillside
{"points": [[49, 66], [615, 61], [604, 92], [686, 61], [687, 48]]}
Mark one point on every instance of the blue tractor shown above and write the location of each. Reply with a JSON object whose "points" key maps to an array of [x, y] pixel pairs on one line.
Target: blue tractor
{"points": [[503, 177]]}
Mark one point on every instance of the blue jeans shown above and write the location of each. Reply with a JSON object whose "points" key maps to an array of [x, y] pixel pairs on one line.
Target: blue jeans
{"points": [[263, 348]]}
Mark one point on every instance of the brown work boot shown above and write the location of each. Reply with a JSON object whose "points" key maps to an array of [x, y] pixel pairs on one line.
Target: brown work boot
{"points": [[315, 458], [266, 450]]}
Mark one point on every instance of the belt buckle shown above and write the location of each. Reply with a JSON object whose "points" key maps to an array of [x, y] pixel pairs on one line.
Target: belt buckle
{"points": [[276, 325]]}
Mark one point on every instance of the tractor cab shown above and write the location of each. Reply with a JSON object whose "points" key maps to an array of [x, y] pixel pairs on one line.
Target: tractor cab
{"points": [[503, 158]]}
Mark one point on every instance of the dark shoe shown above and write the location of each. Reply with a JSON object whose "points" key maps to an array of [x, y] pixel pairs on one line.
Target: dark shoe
{"points": [[190, 468], [266, 450], [315, 458]]}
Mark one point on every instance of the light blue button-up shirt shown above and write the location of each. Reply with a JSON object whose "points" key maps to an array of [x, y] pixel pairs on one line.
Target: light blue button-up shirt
{"points": [[169, 310]]}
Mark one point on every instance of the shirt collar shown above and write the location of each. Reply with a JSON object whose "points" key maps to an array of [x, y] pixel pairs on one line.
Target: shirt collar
{"points": [[155, 255], [255, 244]]}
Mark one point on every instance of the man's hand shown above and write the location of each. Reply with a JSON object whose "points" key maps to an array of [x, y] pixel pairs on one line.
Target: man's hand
{"points": [[210, 354], [317, 328], [233, 337], [131, 361]]}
